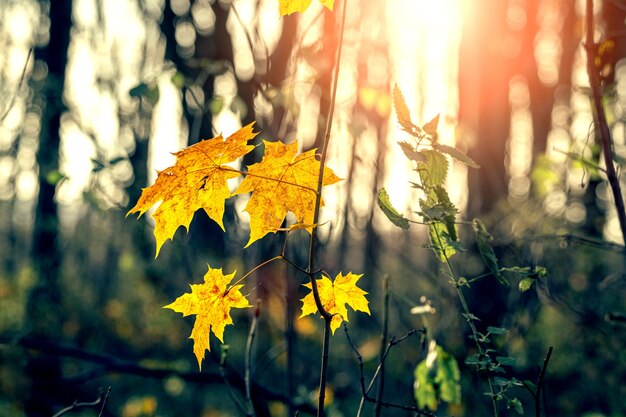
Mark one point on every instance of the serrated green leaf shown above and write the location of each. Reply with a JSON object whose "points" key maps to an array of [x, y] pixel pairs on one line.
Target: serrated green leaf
{"points": [[441, 241], [411, 153], [526, 284], [402, 111], [456, 154], [391, 213], [449, 218], [431, 126], [435, 170], [486, 251]]}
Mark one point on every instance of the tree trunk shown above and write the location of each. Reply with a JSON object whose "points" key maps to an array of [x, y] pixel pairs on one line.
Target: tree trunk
{"points": [[45, 310], [485, 72]]}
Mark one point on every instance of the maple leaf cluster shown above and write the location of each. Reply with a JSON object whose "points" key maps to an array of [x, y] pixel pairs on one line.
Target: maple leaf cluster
{"points": [[281, 182]]}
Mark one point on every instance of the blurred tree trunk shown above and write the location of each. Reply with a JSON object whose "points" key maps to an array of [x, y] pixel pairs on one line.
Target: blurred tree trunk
{"points": [[45, 310], [484, 111], [326, 58]]}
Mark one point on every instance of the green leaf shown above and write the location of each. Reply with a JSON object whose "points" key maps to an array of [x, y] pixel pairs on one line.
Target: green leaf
{"points": [[54, 177], [506, 360], [402, 111], [451, 211], [437, 379], [441, 241], [496, 330], [516, 405], [391, 213], [431, 127], [435, 170], [456, 154], [411, 153], [526, 284], [486, 251]]}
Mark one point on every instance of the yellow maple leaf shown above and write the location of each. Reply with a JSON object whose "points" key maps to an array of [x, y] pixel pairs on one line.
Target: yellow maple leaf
{"points": [[335, 295], [282, 182], [293, 6], [211, 303], [197, 180]]}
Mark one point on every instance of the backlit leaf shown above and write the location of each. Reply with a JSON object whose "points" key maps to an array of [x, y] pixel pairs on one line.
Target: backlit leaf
{"points": [[280, 183], [431, 127], [402, 111], [198, 180], [411, 153], [435, 170], [211, 302], [292, 6], [335, 295], [456, 154], [441, 241], [391, 213]]}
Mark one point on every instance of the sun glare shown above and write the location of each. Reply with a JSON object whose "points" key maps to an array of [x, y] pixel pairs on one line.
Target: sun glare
{"points": [[424, 39]]}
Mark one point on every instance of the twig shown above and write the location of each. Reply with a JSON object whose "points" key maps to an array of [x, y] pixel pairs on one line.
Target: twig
{"points": [[383, 342], [313, 241], [602, 126], [102, 398], [229, 388], [365, 391], [540, 380], [248, 356], [104, 402]]}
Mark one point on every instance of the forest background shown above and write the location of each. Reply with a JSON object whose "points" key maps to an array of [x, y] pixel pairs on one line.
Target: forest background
{"points": [[95, 95]]}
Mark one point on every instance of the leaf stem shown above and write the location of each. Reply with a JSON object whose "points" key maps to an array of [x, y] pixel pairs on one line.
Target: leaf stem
{"points": [[468, 318], [248, 357], [313, 241]]}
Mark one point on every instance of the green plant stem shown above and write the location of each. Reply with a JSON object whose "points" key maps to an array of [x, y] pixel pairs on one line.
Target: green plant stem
{"points": [[313, 241], [602, 126], [540, 380], [470, 322]]}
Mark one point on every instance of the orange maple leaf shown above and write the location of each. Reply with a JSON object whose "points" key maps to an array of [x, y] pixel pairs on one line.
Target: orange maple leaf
{"points": [[197, 180], [211, 303], [335, 295], [293, 6], [282, 182]]}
